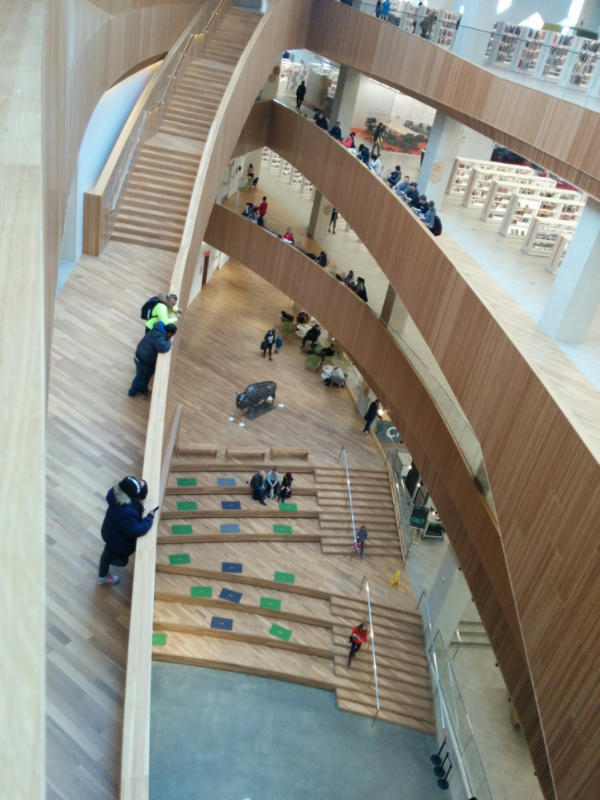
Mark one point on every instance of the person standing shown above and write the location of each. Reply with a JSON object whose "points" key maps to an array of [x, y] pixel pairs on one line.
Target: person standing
{"points": [[371, 414], [268, 342], [385, 10], [378, 8], [257, 484], [250, 175], [358, 637], [362, 534], [300, 94], [262, 210], [164, 311], [155, 341], [378, 138], [124, 522], [332, 220]]}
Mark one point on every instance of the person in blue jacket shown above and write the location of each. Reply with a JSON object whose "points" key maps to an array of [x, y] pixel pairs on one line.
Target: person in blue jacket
{"points": [[124, 522], [155, 341]]}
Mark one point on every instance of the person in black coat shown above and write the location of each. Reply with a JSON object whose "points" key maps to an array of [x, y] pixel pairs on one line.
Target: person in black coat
{"points": [[336, 132], [155, 341], [300, 92], [312, 335], [371, 415], [361, 289], [124, 522], [257, 484], [321, 120]]}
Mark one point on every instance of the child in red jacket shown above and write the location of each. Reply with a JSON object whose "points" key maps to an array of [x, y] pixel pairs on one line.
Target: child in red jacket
{"points": [[359, 635]]}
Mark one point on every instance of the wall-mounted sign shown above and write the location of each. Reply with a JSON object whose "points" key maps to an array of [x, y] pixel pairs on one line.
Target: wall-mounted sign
{"points": [[418, 518], [387, 432]]}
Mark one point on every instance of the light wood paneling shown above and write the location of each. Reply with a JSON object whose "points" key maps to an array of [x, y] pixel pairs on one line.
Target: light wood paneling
{"points": [[536, 418], [561, 136]]}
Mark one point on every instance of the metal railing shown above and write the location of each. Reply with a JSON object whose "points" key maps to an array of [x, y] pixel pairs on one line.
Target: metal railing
{"points": [[343, 453], [365, 583], [454, 724]]}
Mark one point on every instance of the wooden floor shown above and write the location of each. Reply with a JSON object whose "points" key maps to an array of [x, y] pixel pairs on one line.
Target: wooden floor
{"points": [[219, 356], [95, 436]]}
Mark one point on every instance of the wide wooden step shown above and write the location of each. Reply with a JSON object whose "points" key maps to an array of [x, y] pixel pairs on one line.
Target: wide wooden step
{"points": [[416, 681], [290, 538], [144, 241], [386, 716], [299, 491], [179, 465], [131, 210], [250, 580], [239, 657], [165, 155], [235, 513], [126, 229]]}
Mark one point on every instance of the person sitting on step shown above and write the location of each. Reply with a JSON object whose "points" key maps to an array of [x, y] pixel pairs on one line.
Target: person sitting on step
{"points": [[285, 490], [272, 483], [257, 484]]}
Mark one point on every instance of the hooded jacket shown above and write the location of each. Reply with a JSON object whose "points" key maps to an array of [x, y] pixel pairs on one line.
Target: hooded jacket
{"points": [[154, 342], [123, 523]]}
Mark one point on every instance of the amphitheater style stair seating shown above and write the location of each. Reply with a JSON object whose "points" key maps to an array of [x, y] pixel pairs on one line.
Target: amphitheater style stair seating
{"points": [[156, 196], [251, 590]]}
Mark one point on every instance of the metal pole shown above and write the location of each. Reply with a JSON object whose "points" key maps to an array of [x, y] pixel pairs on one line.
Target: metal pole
{"points": [[366, 583], [349, 494]]}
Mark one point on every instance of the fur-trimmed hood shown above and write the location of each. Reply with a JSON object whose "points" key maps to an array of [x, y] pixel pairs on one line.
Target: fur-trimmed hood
{"points": [[117, 497]]}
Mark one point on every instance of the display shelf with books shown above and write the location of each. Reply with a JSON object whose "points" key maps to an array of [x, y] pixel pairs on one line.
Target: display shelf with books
{"points": [[557, 255], [585, 65], [500, 194], [542, 235], [444, 30], [462, 168], [528, 50], [480, 182]]}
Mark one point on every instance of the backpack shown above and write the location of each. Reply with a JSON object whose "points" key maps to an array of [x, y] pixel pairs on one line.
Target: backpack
{"points": [[148, 307], [437, 226]]}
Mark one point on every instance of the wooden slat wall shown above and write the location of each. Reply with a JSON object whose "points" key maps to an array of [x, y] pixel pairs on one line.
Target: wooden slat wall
{"points": [[470, 526], [561, 136], [531, 435]]}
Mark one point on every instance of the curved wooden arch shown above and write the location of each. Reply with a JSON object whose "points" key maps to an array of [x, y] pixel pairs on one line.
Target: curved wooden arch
{"points": [[470, 525], [560, 135], [528, 435]]}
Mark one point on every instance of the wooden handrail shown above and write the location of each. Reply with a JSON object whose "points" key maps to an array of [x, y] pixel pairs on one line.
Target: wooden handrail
{"points": [[136, 714]]}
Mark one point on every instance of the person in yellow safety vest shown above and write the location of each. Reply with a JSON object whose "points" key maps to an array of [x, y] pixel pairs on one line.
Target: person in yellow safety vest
{"points": [[164, 311]]}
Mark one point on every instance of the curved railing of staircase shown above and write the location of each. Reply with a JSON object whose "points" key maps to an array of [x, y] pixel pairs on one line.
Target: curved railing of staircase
{"points": [[101, 200]]}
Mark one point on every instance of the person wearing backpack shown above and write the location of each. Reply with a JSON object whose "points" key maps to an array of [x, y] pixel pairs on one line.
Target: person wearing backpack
{"points": [[268, 342], [436, 226], [155, 341], [359, 636], [164, 309]]}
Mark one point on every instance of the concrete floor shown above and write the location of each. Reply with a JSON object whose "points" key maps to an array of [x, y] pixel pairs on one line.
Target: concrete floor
{"points": [[228, 736]]}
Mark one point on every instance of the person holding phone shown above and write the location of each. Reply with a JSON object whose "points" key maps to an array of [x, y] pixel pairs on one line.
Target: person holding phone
{"points": [[124, 522]]}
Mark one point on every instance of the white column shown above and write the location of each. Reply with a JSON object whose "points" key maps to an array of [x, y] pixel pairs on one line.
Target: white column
{"points": [[442, 148], [473, 34], [575, 295], [345, 98], [342, 110], [475, 145]]}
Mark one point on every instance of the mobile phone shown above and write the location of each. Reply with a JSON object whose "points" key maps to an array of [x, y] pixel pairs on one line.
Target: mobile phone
{"points": [[155, 509]]}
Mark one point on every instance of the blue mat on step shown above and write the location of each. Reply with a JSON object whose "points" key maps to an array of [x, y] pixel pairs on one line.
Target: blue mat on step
{"points": [[229, 594], [231, 566], [229, 527], [226, 482], [231, 504], [222, 623]]}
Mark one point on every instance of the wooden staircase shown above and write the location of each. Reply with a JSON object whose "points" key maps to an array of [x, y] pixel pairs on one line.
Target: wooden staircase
{"points": [[373, 507], [157, 195], [288, 610]]}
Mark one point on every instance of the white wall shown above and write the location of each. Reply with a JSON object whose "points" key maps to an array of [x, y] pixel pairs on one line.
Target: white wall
{"points": [[389, 105], [101, 133]]}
